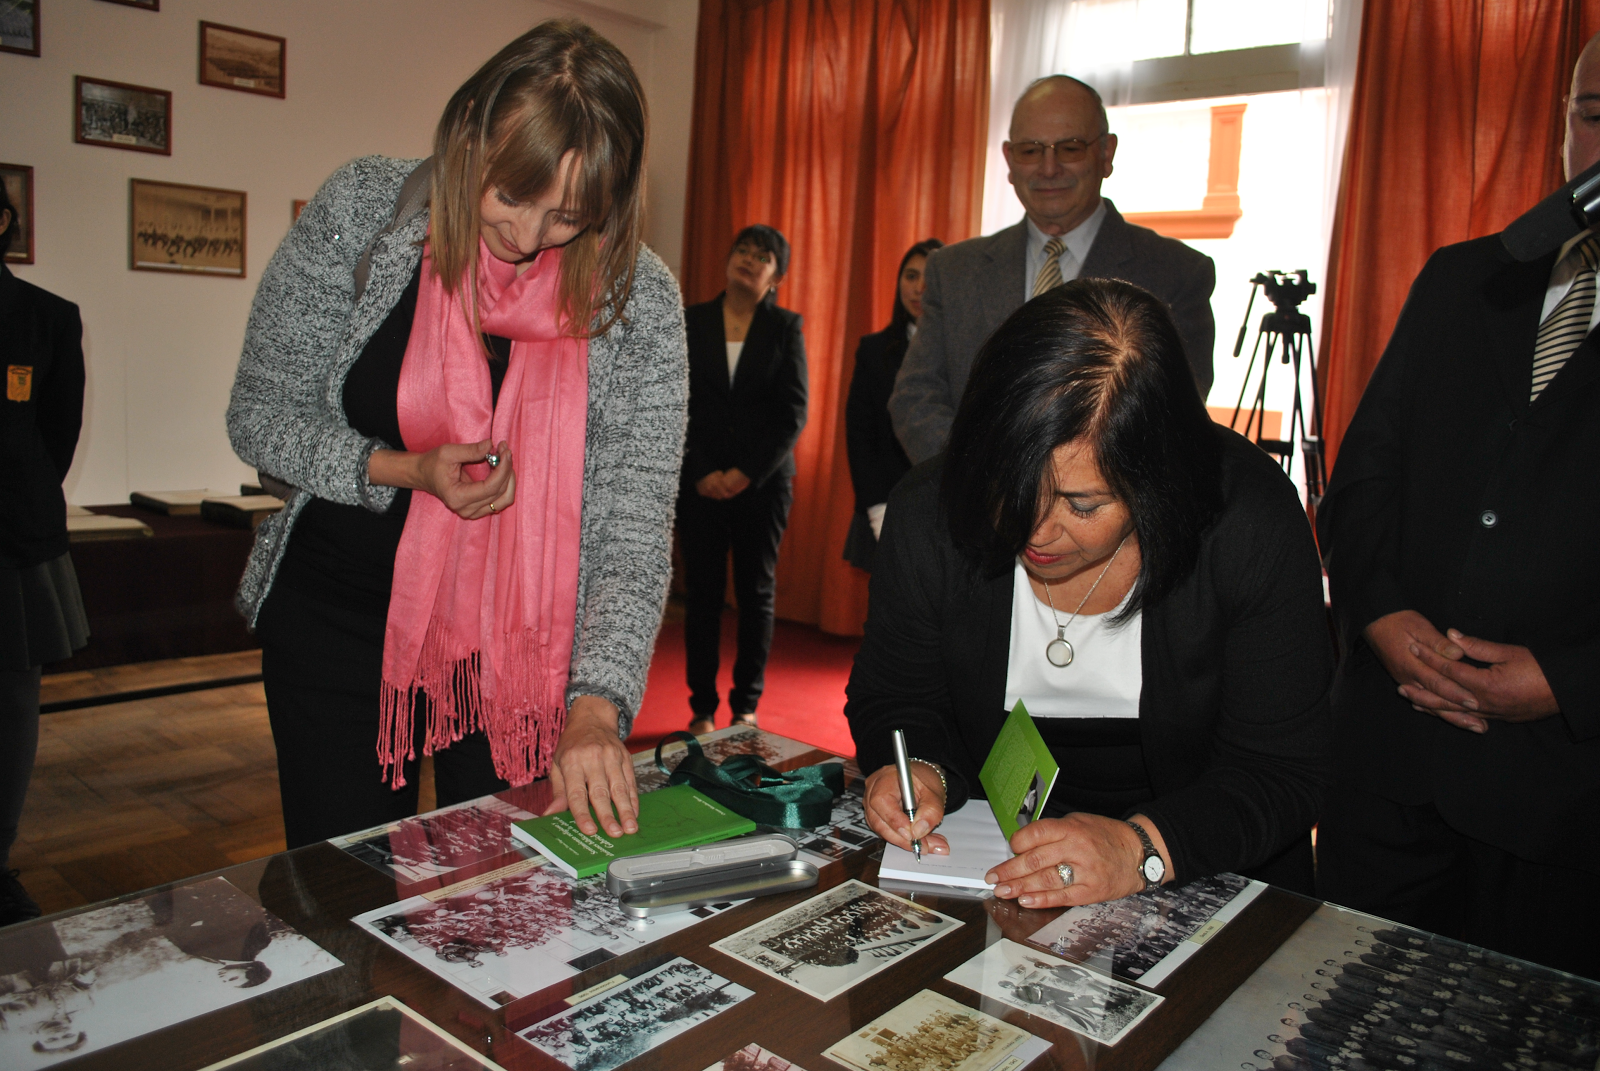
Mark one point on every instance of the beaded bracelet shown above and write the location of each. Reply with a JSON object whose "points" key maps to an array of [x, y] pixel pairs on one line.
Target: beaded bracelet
{"points": [[944, 786]]}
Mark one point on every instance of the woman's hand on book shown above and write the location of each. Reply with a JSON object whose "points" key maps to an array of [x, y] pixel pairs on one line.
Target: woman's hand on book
{"points": [[887, 819], [592, 770], [443, 473]]}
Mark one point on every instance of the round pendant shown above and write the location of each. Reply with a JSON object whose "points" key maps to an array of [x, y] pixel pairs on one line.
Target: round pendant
{"points": [[1059, 652]]}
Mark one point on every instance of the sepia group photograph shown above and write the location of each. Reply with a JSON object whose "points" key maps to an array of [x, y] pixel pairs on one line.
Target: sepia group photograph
{"points": [[179, 228], [250, 62], [121, 116]]}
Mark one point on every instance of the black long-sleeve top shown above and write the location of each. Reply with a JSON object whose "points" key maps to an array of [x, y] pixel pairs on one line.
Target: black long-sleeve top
{"points": [[877, 460], [41, 347], [1233, 711], [752, 424]]}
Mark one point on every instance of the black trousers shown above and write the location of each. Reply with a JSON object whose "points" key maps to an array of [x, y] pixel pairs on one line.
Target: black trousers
{"points": [[751, 525], [1405, 863], [321, 665], [19, 742]]}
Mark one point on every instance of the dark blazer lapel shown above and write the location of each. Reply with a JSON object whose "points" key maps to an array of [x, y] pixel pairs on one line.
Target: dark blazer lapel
{"points": [[1112, 247], [1002, 286], [759, 343], [1516, 294], [998, 592]]}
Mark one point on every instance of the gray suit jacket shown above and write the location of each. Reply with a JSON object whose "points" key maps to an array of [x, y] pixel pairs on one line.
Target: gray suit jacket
{"points": [[974, 285]]}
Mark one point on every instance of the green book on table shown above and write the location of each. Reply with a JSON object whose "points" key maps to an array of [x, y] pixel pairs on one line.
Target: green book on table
{"points": [[676, 817], [1019, 773]]}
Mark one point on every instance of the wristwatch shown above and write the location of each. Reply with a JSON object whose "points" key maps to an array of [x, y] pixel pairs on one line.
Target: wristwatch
{"points": [[1151, 868]]}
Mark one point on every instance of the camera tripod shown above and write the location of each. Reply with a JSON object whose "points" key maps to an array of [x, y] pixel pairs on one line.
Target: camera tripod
{"points": [[1286, 332]]}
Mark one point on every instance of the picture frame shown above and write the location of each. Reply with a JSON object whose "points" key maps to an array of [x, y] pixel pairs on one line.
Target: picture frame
{"points": [[142, 5], [242, 60], [197, 230], [19, 27], [296, 207], [117, 115], [18, 180]]}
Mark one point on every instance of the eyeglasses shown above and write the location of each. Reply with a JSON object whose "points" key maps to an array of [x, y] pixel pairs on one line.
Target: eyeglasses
{"points": [[1068, 151]]}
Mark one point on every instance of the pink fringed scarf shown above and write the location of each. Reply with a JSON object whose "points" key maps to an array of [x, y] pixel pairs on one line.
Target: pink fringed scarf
{"points": [[482, 613]]}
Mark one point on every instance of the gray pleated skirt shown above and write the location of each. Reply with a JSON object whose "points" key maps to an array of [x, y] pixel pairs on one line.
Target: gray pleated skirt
{"points": [[41, 614]]}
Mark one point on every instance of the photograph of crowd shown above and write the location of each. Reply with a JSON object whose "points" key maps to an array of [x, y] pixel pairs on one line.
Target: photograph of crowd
{"points": [[619, 1024], [517, 930], [1074, 997], [231, 58], [120, 116], [19, 26], [441, 842], [384, 1035], [754, 1058], [1145, 937], [82, 983], [1349, 990], [18, 179], [837, 938], [845, 832], [181, 228], [931, 1032]]}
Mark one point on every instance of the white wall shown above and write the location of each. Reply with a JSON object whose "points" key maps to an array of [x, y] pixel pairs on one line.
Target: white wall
{"points": [[364, 76]]}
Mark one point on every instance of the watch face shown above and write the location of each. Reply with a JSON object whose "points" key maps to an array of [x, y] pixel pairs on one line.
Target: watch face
{"points": [[1154, 869]]}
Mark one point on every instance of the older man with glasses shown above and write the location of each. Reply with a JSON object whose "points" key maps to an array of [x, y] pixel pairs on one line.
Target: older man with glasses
{"points": [[1061, 149]]}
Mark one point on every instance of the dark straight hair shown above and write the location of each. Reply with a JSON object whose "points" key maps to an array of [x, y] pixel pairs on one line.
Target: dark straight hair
{"points": [[1096, 361], [11, 227], [902, 315], [772, 240]]}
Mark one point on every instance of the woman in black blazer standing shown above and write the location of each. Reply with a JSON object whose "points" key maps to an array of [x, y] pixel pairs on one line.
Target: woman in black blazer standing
{"points": [[877, 461], [1142, 578], [747, 406]]}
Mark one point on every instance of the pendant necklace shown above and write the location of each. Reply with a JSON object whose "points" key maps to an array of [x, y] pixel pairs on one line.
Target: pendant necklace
{"points": [[1059, 651]]}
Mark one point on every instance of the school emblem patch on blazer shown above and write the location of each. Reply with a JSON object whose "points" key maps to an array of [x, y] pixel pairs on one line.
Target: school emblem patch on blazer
{"points": [[19, 382]]}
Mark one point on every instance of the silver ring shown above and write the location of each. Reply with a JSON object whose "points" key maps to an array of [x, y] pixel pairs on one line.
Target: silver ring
{"points": [[493, 460], [1064, 872]]}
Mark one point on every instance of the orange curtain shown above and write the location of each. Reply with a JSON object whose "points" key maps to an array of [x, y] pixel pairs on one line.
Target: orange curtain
{"points": [[857, 128], [1455, 130]]}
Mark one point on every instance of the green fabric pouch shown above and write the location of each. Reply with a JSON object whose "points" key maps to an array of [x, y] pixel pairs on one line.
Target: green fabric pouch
{"points": [[799, 799]]}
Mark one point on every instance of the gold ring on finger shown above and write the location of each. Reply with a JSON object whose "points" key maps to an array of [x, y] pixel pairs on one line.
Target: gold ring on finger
{"points": [[491, 507], [1064, 872]]}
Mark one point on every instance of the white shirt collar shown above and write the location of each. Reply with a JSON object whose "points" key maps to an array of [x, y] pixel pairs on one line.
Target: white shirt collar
{"points": [[1078, 239]]}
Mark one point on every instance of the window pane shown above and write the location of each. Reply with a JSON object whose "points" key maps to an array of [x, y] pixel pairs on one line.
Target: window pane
{"points": [[1220, 25], [1105, 34]]}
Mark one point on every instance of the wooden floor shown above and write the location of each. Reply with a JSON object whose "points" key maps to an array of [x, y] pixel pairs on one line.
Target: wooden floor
{"points": [[129, 795]]}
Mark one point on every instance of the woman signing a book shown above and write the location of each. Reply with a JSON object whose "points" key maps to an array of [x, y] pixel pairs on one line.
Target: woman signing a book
{"points": [[471, 375], [1142, 579]]}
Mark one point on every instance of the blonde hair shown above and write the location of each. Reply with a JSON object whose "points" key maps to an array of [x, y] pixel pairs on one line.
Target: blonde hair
{"points": [[558, 88]]}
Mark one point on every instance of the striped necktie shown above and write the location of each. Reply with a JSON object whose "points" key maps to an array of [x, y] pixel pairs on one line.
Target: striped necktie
{"points": [[1560, 335], [1050, 271]]}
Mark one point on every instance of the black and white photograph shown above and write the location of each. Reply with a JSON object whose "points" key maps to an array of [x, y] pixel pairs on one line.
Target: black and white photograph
{"points": [[19, 27], [837, 938], [1348, 989], [18, 179], [931, 1032], [188, 229], [1147, 936], [1067, 994], [619, 1024], [244, 60], [442, 842], [121, 116], [754, 1058], [845, 832], [718, 746], [514, 931], [384, 1035], [83, 983]]}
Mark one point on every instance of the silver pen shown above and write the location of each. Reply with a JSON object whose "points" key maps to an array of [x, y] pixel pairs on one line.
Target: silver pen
{"points": [[908, 794]]}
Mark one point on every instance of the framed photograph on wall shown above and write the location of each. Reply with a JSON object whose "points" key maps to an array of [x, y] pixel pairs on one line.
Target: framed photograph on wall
{"points": [[295, 210], [142, 5], [19, 27], [18, 180], [121, 116], [178, 228], [249, 62]]}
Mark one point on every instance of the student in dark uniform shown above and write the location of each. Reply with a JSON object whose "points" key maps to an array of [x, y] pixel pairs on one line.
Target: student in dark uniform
{"points": [[747, 406], [41, 613]]}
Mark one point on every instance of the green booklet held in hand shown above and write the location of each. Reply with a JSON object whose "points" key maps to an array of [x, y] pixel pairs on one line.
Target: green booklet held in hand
{"points": [[1019, 772], [677, 817]]}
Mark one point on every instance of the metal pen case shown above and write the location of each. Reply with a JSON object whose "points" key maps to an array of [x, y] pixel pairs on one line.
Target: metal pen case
{"points": [[688, 877]]}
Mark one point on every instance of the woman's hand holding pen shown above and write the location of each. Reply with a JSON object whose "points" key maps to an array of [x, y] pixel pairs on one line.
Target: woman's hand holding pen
{"points": [[442, 472], [887, 819]]}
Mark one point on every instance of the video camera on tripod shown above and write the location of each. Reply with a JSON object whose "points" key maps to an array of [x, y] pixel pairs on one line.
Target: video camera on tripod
{"points": [[1289, 327]]}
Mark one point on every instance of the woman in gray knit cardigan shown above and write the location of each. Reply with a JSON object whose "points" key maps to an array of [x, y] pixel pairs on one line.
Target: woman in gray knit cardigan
{"points": [[484, 328]]}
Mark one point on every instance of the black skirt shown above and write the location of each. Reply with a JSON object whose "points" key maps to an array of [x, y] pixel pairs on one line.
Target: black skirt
{"points": [[41, 614]]}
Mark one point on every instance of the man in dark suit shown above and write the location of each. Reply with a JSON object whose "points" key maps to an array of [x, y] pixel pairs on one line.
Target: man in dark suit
{"points": [[1463, 501], [1061, 150]]}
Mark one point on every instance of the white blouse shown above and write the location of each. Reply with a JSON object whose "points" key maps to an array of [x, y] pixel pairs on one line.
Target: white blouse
{"points": [[734, 350], [1107, 670]]}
